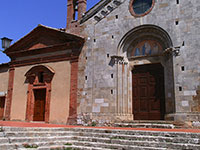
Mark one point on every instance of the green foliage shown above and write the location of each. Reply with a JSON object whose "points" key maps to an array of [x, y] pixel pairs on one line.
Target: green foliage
{"points": [[68, 144], [93, 124], [30, 146]]}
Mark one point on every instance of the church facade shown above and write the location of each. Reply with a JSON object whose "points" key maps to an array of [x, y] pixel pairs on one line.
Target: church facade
{"points": [[121, 60]]}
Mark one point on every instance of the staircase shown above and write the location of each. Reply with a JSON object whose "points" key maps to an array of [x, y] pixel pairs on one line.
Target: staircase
{"points": [[15, 138], [151, 124]]}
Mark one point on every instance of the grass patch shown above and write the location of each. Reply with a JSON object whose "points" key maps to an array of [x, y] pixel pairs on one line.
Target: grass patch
{"points": [[118, 138], [69, 144], [30, 146], [93, 124], [1, 129]]}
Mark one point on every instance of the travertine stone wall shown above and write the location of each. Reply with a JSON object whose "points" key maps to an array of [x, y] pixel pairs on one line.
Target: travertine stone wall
{"points": [[105, 87]]}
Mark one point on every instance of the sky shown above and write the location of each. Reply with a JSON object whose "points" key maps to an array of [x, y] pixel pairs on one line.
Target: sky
{"points": [[19, 17]]}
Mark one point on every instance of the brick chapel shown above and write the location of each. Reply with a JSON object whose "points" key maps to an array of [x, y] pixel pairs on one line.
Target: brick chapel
{"points": [[121, 60]]}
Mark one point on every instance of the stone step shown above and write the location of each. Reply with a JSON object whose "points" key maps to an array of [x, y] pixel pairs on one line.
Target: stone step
{"points": [[34, 145], [140, 132], [139, 144], [87, 141], [93, 146], [38, 139], [7, 146], [72, 147], [39, 133], [73, 135], [100, 138], [4, 140], [90, 131], [108, 137], [34, 129], [154, 144], [153, 121], [116, 146], [46, 146], [151, 124], [145, 125]]}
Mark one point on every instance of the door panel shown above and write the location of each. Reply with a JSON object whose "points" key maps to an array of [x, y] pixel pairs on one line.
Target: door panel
{"points": [[148, 92], [2, 105], [39, 106]]}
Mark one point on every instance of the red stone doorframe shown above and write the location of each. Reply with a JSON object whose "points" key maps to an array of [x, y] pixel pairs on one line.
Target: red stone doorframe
{"points": [[32, 77]]}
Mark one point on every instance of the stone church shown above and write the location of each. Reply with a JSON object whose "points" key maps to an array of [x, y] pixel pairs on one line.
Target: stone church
{"points": [[121, 60]]}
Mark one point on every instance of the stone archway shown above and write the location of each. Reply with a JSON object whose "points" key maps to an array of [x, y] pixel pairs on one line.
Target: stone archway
{"points": [[138, 47], [39, 91]]}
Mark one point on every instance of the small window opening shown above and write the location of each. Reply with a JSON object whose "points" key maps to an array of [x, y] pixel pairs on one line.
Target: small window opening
{"points": [[116, 16], [111, 91], [180, 88], [85, 77], [86, 58], [176, 22], [75, 15], [108, 55], [182, 68], [177, 1], [104, 13], [183, 44], [112, 76], [94, 40], [97, 18], [41, 77], [109, 8], [112, 36], [116, 2]]}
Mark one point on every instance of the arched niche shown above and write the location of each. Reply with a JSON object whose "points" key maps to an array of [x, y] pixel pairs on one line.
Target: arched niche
{"points": [[39, 74], [39, 80], [141, 47]]}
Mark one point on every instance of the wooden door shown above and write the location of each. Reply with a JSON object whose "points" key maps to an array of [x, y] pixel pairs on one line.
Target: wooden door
{"points": [[2, 105], [39, 105], [148, 92]]}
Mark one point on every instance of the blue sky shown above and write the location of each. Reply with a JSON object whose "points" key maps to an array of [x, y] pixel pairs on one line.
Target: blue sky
{"points": [[19, 17]]}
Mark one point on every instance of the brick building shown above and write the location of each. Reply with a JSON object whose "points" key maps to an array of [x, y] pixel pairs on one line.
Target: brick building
{"points": [[120, 60]]}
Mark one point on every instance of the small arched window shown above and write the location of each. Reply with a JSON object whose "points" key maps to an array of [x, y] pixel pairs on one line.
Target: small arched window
{"points": [[41, 77], [146, 48]]}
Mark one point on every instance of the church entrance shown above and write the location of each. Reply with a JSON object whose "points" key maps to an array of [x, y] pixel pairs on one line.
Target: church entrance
{"points": [[39, 104], [2, 105], [148, 92]]}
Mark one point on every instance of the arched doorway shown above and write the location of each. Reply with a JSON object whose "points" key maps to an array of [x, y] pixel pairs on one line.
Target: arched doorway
{"points": [[150, 72], [39, 90]]}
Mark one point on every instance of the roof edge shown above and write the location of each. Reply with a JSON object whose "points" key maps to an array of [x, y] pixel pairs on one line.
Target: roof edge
{"points": [[95, 9]]}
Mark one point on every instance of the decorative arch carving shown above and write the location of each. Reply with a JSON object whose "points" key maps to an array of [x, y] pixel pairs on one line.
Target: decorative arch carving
{"points": [[38, 77], [144, 33]]}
